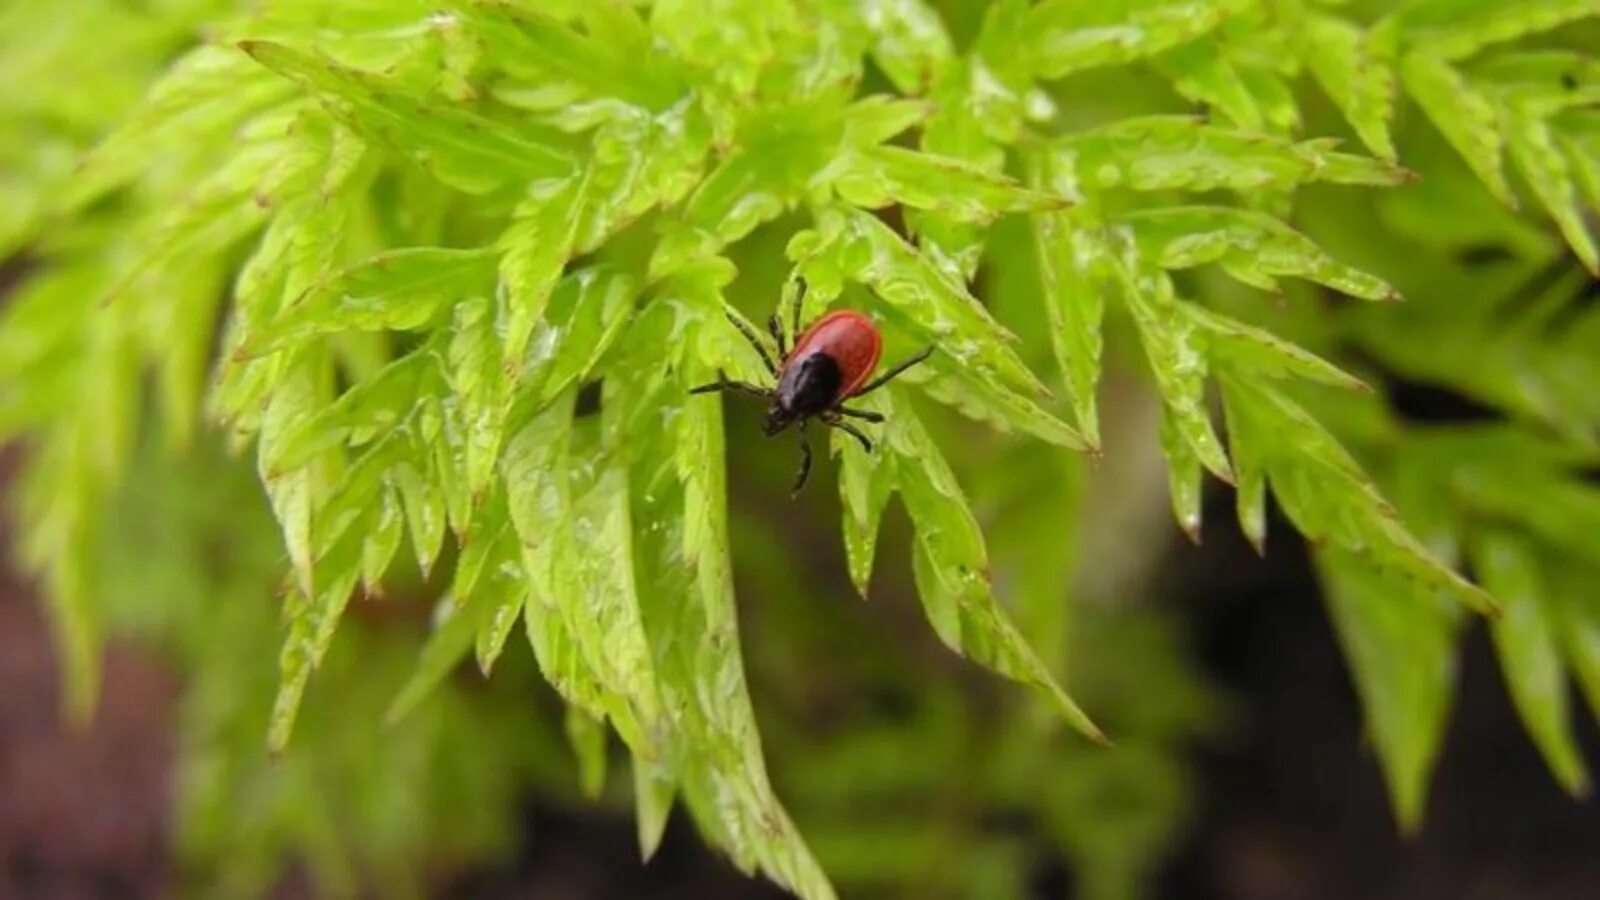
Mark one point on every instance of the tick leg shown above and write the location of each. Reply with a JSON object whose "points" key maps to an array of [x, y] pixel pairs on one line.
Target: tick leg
{"points": [[805, 464], [865, 415], [847, 428], [775, 325], [755, 341], [723, 384], [799, 304], [893, 373]]}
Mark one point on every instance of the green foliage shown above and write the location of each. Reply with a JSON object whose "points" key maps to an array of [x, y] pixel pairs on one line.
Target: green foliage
{"points": [[431, 235]]}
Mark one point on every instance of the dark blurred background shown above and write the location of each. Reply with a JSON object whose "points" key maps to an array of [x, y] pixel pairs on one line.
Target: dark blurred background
{"points": [[1291, 803]]}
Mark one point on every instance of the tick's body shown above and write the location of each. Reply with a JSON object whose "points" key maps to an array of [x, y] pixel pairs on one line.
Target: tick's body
{"points": [[831, 362]]}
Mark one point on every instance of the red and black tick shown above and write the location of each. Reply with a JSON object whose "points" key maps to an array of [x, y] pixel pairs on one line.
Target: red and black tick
{"points": [[829, 365]]}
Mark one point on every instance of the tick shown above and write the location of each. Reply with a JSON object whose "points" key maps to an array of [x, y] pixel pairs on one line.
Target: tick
{"points": [[830, 364]]}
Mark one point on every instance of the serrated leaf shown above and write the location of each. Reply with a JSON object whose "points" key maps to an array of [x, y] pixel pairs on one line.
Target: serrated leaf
{"points": [[1243, 348], [923, 300], [686, 589], [951, 565], [385, 530], [1462, 114], [1176, 358], [881, 176], [1184, 474], [1530, 657], [1066, 36], [1068, 250], [866, 481], [586, 314], [203, 95], [1354, 70], [1400, 645], [1454, 29], [909, 42], [1327, 495], [482, 390], [1532, 145], [1252, 246], [1201, 71], [470, 152], [537, 245], [396, 289], [1160, 153]]}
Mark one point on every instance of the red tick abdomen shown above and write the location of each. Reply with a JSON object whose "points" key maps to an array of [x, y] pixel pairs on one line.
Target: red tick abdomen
{"points": [[850, 338]]}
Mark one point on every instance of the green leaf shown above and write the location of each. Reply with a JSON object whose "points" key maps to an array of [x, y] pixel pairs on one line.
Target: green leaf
{"points": [[1356, 72], [1203, 72], [1525, 640], [588, 738], [1462, 114], [1066, 36], [924, 301], [1576, 612], [468, 151], [652, 797], [1241, 348], [1400, 644], [909, 42], [1067, 249], [586, 314], [1532, 144], [609, 63], [866, 481], [203, 96], [882, 176], [1454, 29], [397, 289], [537, 245], [951, 565], [1252, 246], [1250, 477], [1177, 361], [1327, 494], [1180, 152], [674, 443], [1184, 473]]}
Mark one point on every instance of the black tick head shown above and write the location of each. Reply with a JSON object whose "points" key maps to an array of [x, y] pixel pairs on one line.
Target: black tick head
{"points": [[778, 418]]}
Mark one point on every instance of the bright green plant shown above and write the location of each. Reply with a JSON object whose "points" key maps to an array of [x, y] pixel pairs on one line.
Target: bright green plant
{"points": [[467, 257]]}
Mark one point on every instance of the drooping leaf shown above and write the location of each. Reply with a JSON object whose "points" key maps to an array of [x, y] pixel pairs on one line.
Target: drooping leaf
{"points": [[1068, 249], [1399, 642], [951, 564], [1525, 640], [1533, 147], [1177, 362], [1354, 70], [1328, 495], [1464, 115]]}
